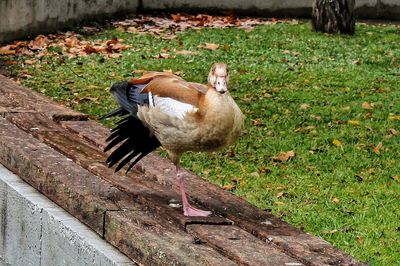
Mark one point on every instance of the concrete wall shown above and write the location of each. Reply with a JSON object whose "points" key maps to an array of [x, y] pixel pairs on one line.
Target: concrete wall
{"points": [[23, 18], [366, 9], [36, 232]]}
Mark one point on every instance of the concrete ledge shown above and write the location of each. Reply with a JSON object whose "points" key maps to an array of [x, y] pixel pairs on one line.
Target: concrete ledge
{"points": [[23, 18], [364, 9], [35, 231]]}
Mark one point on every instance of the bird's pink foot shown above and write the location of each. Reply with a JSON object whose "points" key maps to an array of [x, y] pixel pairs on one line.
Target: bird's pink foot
{"points": [[192, 211]]}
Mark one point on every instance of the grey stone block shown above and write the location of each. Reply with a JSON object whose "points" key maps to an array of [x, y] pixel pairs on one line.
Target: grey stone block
{"points": [[35, 231], [21, 18]]}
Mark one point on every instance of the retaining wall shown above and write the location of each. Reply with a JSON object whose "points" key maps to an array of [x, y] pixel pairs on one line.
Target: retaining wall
{"points": [[35, 231], [24, 18], [365, 9]]}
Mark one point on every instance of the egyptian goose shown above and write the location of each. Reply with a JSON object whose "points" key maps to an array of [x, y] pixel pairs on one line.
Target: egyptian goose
{"points": [[164, 110]]}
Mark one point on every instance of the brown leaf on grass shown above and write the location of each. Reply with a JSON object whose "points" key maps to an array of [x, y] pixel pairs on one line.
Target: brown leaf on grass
{"points": [[11, 62], [132, 30], [353, 122], [304, 106], [366, 106], [378, 148], [185, 52], [280, 194], [229, 187], [162, 56], [71, 41], [112, 41], [118, 47], [115, 55], [265, 170], [89, 49], [360, 240], [258, 122], [211, 46], [27, 76], [392, 131], [284, 156], [30, 62], [176, 17], [39, 43], [337, 143], [335, 200], [120, 28], [7, 50], [329, 231], [394, 117]]}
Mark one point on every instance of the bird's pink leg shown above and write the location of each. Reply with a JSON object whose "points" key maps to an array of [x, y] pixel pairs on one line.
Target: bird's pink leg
{"points": [[188, 210]]}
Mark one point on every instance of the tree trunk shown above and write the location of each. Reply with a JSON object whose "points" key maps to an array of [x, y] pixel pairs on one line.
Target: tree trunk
{"points": [[333, 16]]}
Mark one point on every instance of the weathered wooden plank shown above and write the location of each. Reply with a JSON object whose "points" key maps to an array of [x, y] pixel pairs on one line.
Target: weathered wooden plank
{"points": [[81, 193], [241, 246], [89, 130], [89, 198], [16, 98], [90, 157], [255, 221], [150, 194], [147, 241]]}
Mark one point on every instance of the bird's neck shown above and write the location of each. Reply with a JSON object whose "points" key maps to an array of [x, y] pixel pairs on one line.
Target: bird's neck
{"points": [[213, 104]]}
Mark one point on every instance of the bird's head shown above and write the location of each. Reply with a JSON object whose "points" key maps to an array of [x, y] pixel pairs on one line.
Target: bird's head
{"points": [[218, 77]]}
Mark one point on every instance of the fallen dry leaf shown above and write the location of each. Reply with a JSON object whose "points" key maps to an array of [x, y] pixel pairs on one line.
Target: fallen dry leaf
{"points": [[176, 17], [71, 41], [378, 148], [360, 240], [7, 50], [89, 49], [39, 43], [335, 200], [392, 131], [229, 187], [284, 156], [280, 194], [330, 231], [366, 106], [132, 30], [394, 117], [162, 56], [185, 52], [304, 106], [258, 122], [337, 143], [211, 46], [353, 122], [30, 62]]}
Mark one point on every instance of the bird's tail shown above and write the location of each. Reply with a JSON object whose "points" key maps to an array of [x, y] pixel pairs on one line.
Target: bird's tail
{"points": [[130, 138], [134, 140]]}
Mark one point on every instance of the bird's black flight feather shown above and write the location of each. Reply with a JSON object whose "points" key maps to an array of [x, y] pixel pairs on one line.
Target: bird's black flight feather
{"points": [[130, 138]]}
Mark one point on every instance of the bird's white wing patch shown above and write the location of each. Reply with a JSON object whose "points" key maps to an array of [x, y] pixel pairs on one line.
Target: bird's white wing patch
{"points": [[172, 107]]}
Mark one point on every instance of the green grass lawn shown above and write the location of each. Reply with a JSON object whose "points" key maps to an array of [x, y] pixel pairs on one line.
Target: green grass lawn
{"points": [[333, 100]]}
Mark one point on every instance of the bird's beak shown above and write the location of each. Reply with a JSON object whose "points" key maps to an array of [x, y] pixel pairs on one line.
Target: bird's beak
{"points": [[220, 84]]}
